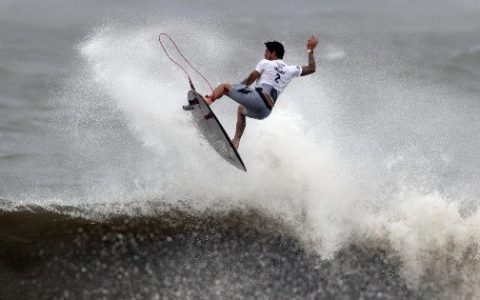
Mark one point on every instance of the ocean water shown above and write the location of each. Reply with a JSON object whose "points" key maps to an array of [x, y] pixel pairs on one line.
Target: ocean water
{"points": [[362, 184]]}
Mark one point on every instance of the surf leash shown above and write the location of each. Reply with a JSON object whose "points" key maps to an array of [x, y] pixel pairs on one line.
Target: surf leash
{"points": [[184, 58]]}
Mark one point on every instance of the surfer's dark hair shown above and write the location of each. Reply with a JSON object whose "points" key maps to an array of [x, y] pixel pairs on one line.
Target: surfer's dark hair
{"points": [[276, 47]]}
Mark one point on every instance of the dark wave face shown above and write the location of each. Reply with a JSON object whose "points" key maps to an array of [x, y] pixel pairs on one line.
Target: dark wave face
{"points": [[56, 253], [51, 255]]}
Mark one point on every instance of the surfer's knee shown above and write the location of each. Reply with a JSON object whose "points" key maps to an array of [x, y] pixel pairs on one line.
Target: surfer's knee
{"points": [[227, 87]]}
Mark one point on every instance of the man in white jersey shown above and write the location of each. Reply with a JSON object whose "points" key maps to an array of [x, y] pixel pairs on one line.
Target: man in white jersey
{"points": [[272, 76]]}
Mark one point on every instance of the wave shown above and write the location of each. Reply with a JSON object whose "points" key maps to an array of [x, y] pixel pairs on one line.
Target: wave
{"points": [[428, 251], [175, 254], [470, 57]]}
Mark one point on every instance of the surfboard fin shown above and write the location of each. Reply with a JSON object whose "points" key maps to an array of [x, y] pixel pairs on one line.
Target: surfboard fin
{"points": [[190, 105], [208, 116]]}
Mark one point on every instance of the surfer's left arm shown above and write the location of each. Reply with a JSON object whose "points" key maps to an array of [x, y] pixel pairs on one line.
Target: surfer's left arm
{"points": [[310, 68], [251, 78]]}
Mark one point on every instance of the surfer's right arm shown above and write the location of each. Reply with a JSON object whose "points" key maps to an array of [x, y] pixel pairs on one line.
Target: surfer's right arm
{"points": [[310, 68], [251, 78]]}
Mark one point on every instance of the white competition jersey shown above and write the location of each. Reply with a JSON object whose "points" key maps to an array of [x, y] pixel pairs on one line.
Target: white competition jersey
{"points": [[276, 73]]}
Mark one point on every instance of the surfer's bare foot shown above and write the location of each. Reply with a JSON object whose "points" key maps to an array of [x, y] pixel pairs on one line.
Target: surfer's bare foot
{"points": [[208, 99], [236, 143]]}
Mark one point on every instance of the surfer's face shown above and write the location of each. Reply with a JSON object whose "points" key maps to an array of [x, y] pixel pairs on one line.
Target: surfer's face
{"points": [[270, 55]]}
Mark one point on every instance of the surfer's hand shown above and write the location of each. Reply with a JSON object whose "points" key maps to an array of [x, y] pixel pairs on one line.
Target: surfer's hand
{"points": [[312, 42]]}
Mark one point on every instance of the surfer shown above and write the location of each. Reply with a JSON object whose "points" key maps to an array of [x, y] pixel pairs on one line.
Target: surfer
{"points": [[272, 76]]}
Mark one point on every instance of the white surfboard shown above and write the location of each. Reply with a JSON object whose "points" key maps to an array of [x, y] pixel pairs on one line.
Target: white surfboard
{"points": [[209, 126]]}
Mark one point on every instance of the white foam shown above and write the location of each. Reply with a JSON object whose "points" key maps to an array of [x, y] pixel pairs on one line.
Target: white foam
{"points": [[432, 238], [332, 53]]}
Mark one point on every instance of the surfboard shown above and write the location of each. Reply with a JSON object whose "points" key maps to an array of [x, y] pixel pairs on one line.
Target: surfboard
{"points": [[212, 130]]}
